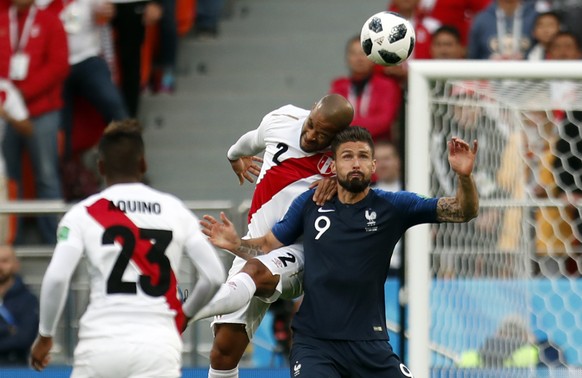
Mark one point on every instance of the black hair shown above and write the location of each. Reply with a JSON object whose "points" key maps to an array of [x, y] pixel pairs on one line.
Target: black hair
{"points": [[553, 14], [121, 148], [448, 29], [567, 33], [352, 134]]}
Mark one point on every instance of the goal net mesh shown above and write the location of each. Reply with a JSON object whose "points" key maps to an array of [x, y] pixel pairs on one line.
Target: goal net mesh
{"points": [[512, 275]]}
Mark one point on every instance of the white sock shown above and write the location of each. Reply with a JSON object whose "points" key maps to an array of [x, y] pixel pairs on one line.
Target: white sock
{"points": [[223, 373], [231, 296]]}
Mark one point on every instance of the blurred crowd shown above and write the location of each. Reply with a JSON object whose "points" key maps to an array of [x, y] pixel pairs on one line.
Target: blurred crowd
{"points": [[67, 69], [548, 142]]}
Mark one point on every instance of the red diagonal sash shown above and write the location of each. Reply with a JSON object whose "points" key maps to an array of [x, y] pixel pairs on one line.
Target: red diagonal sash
{"points": [[106, 214]]}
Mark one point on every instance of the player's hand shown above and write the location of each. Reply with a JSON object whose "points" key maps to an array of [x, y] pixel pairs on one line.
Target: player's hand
{"points": [[461, 156], [220, 234], [39, 354], [246, 167], [326, 188]]}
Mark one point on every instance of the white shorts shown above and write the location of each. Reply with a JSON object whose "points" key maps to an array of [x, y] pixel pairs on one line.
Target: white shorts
{"points": [[286, 262], [115, 358]]}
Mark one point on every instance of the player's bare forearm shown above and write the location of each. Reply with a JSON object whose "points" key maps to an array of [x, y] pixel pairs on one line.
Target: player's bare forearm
{"points": [[464, 206], [248, 249]]}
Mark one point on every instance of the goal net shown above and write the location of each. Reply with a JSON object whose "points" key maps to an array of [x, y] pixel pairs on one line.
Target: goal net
{"points": [[482, 293]]}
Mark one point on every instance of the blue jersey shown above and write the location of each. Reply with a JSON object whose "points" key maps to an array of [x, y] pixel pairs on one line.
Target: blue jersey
{"points": [[347, 254]]}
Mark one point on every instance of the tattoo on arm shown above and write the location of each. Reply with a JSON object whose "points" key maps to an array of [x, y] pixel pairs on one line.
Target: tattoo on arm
{"points": [[449, 210], [248, 250]]}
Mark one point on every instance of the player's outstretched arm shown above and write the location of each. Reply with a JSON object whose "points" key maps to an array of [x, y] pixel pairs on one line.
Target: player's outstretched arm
{"points": [[465, 205], [223, 235]]}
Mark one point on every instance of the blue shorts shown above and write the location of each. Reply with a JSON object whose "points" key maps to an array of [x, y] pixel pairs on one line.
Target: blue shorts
{"points": [[316, 358]]}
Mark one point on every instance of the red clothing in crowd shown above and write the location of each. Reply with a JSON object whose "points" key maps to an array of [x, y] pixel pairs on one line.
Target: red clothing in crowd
{"points": [[424, 26], [458, 13], [49, 59], [377, 107]]}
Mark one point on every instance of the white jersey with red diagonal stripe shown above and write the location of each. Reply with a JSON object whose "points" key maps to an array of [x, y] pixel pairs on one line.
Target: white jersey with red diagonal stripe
{"points": [[133, 238], [287, 170]]}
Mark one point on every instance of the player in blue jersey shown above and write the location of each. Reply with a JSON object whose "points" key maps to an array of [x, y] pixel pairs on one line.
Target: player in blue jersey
{"points": [[340, 328]]}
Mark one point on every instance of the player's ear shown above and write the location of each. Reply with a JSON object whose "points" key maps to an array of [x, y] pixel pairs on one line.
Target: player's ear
{"points": [[101, 167], [143, 165], [373, 165], [332, 167]]}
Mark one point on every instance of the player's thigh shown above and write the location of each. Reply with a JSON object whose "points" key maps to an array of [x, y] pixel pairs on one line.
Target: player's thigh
{"points": [[286, 262], [375, 359], [95, 359], [312, 359]]}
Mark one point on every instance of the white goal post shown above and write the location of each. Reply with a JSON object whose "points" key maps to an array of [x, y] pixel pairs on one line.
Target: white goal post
{"points": [[419, 121]]}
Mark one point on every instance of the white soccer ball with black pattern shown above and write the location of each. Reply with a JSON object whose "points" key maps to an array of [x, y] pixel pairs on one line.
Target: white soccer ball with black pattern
{"points": [[387, 38]]}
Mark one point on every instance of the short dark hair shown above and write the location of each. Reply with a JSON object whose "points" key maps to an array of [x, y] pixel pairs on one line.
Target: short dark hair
{"points": [[448, 29], [121, 148], [352, 134], [567, 33], [354, 38], [553, 14]]}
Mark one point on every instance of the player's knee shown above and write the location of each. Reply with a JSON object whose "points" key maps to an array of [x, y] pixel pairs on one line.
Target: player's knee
{"points": [[265, 281]]}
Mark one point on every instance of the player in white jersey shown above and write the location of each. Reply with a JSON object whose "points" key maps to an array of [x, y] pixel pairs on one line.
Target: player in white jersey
{"points": [[133, 238], [295, 142]]}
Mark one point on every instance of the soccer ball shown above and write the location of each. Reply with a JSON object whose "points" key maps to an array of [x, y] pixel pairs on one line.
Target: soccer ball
{"points": [[387, 38]]}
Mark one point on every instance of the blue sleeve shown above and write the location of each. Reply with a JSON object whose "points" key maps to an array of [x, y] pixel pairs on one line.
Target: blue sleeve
{"points": [[290, 228], [414, 208]]}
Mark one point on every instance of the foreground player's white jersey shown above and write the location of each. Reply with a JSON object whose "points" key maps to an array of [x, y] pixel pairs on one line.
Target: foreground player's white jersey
{"points": [[133, 238], [287, 170]]}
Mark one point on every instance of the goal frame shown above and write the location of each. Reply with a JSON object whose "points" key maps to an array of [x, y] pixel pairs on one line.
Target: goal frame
{"points": [[417, 129]]}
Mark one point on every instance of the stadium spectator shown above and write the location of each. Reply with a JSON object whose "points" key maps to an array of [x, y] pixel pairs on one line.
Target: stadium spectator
{"points": [[456, 13], [546, 26], [565, 46], [13, 113], [359, 223], [295, 142], [423, 24], [127, 331], [554, 232], [376, 98], [388, 177], [90, 76], [388, 167], [208, 14], [164, 75], [446, 44], [18, 312], [34, 55], [513, 346], [566, 169], [131, 18], [502, 31], [570, 12]]}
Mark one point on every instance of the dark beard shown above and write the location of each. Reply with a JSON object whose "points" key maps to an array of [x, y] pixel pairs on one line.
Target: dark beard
{"points": [[355, 185]]}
